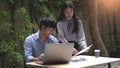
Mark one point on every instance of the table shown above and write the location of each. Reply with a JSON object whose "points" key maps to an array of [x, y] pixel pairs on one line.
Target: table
{"points": [[84, 61]]}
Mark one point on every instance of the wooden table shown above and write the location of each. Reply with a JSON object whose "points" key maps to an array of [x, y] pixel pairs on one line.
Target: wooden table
{"points": [[84, 61]]}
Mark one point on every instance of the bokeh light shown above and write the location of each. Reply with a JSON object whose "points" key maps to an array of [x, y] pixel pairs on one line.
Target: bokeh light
{"points": [[109, 5]]}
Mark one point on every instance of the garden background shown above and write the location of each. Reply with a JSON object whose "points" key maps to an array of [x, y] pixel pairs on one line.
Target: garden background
{"points": [[20, 18]]}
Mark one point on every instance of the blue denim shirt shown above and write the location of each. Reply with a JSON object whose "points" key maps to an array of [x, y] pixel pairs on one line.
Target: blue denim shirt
{"points": [[33, 47]]}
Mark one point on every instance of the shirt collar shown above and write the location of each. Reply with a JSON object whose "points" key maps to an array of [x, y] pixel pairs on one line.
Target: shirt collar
{"points": [[38, 34], [70, 21]]}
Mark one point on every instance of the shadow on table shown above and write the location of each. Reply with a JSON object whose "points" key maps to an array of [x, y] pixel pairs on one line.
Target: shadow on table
{"points": [[78, 60]]}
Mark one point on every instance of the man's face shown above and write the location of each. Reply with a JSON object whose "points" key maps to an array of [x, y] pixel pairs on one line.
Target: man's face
{"points": [[47, 31], [68, 13]]}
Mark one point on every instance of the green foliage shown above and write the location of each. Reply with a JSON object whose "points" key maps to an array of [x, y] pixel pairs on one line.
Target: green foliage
{"points": [[11, 45], [13, 60]]}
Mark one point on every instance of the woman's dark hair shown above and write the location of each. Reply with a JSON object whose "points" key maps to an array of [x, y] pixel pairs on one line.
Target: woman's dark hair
{"points": [[75, 19], [47, 22]]}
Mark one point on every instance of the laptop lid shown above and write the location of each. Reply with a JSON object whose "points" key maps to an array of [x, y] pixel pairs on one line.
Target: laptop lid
{"points": [[58, 53]]}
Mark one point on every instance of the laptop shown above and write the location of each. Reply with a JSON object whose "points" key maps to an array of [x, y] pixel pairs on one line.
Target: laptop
{"points": [[56, 53]]}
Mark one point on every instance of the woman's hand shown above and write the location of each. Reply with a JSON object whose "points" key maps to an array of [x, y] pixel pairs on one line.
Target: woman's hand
{"points": [[75, 51]]}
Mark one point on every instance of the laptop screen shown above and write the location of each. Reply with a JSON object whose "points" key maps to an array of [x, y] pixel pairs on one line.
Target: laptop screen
{"points": [[58, 53]]}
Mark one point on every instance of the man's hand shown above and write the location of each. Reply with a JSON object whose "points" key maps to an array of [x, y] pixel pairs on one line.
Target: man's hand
{"points": [[40, 58]]}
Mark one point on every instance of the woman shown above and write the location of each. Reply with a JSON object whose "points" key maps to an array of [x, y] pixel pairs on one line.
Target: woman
{"points": [[70, 28]]}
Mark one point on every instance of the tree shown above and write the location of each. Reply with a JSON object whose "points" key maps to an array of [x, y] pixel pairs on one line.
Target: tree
{"points": [[94, 30]]}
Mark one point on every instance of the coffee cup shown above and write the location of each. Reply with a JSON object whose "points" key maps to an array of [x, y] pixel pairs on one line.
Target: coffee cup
{"points": [[97, 53]]}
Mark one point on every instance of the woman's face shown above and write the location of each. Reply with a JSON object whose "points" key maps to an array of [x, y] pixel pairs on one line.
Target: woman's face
{"points": [[68, 13]]}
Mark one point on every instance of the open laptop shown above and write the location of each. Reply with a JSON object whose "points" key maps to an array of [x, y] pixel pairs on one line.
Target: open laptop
{"points": [[57, 53]]}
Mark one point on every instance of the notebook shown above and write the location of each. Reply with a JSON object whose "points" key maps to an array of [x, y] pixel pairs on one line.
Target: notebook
{"points": [[57, 53]]}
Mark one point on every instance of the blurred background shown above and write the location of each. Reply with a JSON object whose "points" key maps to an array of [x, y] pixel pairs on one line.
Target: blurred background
{"points": [[20, 18]]}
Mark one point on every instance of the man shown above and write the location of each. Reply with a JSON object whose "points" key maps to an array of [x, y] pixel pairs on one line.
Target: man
{"points": [[35, 44]]}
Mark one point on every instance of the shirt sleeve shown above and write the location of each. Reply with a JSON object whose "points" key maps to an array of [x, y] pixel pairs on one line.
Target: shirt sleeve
{"points": [[28, 50], [81, 36], [61, 33], [54, 40]]}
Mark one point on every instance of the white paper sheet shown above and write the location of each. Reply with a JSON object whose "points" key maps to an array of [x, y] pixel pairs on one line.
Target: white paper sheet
{"points": [[82, 51]]}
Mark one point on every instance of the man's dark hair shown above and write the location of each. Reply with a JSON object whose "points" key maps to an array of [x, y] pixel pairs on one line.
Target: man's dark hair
{"points": [[47, 22]]}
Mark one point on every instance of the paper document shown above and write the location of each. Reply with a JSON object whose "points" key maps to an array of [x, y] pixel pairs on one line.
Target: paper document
{"points": [[82, 51]]}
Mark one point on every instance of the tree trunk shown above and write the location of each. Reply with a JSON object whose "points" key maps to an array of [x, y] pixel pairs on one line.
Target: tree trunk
{"points": [[93, 24], [12, 19], [31, 14]]}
